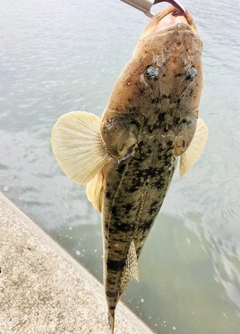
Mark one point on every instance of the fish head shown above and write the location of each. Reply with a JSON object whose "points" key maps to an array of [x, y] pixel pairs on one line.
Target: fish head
{"points": [[164, 77]]}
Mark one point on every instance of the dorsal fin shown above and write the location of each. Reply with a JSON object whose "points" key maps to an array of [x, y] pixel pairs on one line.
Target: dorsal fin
{"points": [[193, 152], [78, 146]]}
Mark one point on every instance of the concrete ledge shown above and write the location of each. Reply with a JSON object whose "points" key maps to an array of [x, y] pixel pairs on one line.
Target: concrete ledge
{"points": [[44, 290]]}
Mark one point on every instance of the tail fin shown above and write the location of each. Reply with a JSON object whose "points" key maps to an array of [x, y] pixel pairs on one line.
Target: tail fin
{"points": [[111, 315]]}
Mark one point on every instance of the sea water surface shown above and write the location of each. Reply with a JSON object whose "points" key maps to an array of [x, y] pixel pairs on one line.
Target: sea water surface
{"points": [[59, 56]]}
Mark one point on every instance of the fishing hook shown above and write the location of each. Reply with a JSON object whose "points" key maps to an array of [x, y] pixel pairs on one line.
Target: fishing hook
{"points": [[145, 6]]}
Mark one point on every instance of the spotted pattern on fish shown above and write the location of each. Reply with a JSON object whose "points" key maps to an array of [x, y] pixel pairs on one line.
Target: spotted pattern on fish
{"points": [[128, 157], [145, 132], [133, 201]]}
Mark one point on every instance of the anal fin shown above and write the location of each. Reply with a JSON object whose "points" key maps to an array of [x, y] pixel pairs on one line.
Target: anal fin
{"points": [[132, 262]]}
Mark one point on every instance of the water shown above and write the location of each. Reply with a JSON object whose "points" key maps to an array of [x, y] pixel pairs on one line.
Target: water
{"points": [[57, 57]]}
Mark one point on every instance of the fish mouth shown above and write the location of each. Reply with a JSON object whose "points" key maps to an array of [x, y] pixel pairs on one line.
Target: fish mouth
{"points": [[165, 20]]}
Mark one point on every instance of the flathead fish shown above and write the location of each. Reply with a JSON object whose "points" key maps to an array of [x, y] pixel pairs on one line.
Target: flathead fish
{"points": [[128, 157]]}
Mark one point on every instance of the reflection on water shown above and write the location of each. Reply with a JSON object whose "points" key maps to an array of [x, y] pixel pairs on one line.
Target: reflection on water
{"points": [[63, 56]]}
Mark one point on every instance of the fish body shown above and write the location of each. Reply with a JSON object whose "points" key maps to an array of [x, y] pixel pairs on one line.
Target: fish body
{"points": [[129, 156]]}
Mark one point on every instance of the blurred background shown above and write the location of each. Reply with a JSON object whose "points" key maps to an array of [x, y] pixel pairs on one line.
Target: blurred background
{"points": [[59, 56]]}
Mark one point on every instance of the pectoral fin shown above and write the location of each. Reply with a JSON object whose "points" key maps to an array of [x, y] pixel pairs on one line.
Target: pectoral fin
{"points": [[132, 262], [78, 146], [191, 155], [95, 191]]}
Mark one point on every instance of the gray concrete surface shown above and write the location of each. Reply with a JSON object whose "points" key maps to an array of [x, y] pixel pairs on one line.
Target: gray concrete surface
{"points": [[44, 290]]}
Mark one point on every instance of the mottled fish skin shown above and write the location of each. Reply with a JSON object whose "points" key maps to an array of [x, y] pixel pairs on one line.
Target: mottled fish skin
{"points": [[149, 121], [127, 159]]}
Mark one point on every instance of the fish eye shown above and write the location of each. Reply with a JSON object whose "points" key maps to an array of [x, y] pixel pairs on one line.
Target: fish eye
{"points": [[191, 73], [151, 72]]}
